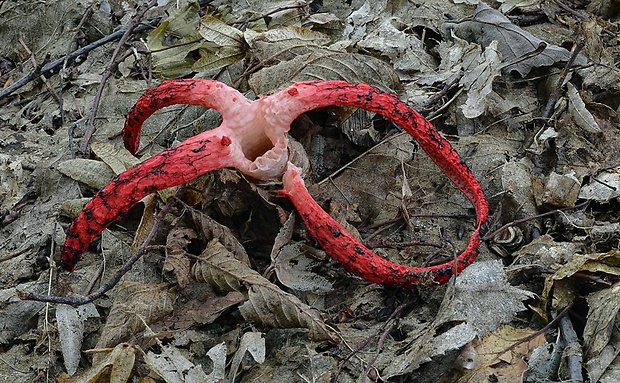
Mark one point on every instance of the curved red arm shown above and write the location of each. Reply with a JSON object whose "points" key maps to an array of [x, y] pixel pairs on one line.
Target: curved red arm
{"points": [[172, 167], [357, 258], [332, 237]]}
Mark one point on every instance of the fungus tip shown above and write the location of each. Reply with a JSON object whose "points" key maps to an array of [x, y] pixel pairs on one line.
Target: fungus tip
{"points": [[226, 141], [293, 92]]}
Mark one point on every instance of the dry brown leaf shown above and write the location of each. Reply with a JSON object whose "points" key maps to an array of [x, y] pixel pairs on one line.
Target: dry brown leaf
{"points": [[269, 305], [217, 267], [325, 64], [177, 263], [223, 45], [488, 25], [116, 157], [114, 366], [213, 230], [146, 222], [501, 355], [600, 336], [294, 263], [135, 304], [283, 44], [172, 41], [562, 288]]}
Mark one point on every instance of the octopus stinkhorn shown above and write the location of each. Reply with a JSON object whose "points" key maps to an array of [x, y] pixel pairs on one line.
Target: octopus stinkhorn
{"points": [[253, 138]]}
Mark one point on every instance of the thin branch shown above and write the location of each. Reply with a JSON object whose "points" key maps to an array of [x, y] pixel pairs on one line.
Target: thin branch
{"points": [[112, 66], [490, 235], [555, 95], [70, 58], [110, 283]]}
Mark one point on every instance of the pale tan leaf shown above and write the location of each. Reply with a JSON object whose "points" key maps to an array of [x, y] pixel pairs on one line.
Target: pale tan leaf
{"points": [[220, 34], [116, 157], [481, 68], [283, 44], [114, 366], [72, 207], [294, 267], [600, 338], [70, 321], [253, 344], [146, 222], [173, 40], [223, 45], [270, 306], [216, 60], [577, 108], [95, 174], [173, 367]]}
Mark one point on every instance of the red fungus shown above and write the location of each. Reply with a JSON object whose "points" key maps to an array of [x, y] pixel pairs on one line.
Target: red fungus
{"points": [[252, 138]]}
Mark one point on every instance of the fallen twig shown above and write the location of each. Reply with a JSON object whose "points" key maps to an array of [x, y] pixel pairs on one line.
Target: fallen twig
{"points": [[112, 66], [70, 58], [82, 300]]}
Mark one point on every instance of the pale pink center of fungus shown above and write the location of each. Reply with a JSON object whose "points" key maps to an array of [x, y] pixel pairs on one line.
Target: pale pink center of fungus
{"points": [[258, 132]]}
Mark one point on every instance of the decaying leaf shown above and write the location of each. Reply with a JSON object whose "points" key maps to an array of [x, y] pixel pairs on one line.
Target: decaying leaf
{"points": [[325, 64], [170, 55], [223, 45], [217, 267], [375, 196], [480, 301], [606, 189], [561, 288], [135, 305], [283, 44], [405, 51], [601, 340], [95, 174], [70, 321], [252, 344], [503, 354], [114, 366], [578, 111], [17, 314], [177, 263], [117, 158], [266, 304], [509, 5], [269, 305], [294, 264], [488, 25], [173, 367], [481, 68], [213, 230]]}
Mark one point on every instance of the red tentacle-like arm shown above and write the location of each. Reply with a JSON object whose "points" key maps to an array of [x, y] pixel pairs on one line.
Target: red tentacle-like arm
{"points": [[252, 138], [175, 166], [336, 241]]}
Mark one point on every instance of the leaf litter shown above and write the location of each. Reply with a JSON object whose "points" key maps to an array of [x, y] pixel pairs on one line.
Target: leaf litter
{"points": [[390, 194]]}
